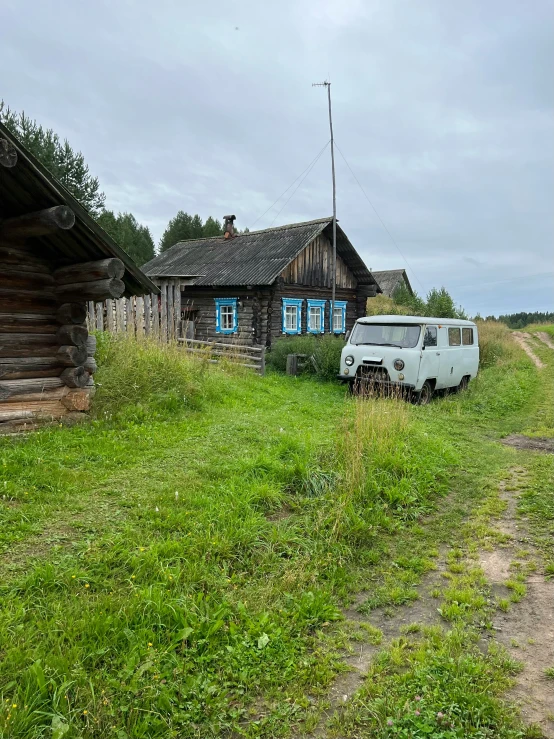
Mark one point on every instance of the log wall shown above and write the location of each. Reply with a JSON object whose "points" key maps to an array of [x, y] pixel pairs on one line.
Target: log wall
{"points": [[44, 342]]}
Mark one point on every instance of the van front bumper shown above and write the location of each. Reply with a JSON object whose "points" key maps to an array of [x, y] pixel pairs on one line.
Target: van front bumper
{"points": [[376, 381]]}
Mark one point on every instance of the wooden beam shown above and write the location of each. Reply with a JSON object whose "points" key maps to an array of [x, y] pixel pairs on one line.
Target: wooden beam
{"points": [[87, 271], [15, 368], [71, 313], [40, 223], [8, 155], [93, 290], [11, 388], [90, 365], [72, 356], [71, 334], [75, 377]]}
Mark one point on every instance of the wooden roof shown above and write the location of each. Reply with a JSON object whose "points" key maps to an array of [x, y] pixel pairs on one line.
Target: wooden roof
{"points": [[389, 280], [254, 258], [28, 186]]}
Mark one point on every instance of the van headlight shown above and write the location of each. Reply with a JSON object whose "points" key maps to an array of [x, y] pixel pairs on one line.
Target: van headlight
{"points": [[349, 360], [398, 364]]}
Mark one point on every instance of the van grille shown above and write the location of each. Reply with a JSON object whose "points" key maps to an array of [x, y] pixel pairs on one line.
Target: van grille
{"points": [[372, 372]]}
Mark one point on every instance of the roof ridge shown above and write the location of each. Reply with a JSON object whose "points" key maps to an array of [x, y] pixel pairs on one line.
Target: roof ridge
{"points": [[260, 231]]}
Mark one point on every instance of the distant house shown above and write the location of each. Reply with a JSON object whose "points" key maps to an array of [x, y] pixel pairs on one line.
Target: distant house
{"points": [[391, 279], [260, 285]]}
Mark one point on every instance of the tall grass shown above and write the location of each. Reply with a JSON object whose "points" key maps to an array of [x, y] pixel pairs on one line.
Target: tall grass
{"points": [[325, 350], [144, 379], [495, 343]]}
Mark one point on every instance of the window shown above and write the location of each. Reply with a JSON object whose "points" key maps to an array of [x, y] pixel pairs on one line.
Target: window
{"points": [[454, 338], [316, 316], [467, 336], [226, 320], [430, 338], [292, 316], [403, 336], [339, 317]]}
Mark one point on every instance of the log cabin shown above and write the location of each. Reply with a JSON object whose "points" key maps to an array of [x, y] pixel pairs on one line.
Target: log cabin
{"points": [[257, 286], [391, 280], [53, 258]]}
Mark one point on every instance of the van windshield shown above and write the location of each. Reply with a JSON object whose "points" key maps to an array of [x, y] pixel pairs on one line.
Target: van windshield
{"points": [[386, 334]]}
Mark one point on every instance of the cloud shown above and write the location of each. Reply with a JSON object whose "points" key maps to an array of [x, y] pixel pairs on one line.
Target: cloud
{"points": [[443, 111]]}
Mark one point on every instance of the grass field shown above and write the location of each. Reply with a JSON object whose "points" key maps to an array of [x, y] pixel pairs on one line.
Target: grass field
{"points": [[178, 567]]}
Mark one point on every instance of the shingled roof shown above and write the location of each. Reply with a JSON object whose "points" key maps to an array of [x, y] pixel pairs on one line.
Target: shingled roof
{"points": [[389, 280], [254, 258], [28, 186]]}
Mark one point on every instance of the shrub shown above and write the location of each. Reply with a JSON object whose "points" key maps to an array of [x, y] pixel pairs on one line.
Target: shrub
{"points": [[381, 305], [326, 351], [142, 379], [495, 343]]}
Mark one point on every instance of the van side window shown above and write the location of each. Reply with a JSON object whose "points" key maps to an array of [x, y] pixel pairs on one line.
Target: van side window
{"points": [[467, 336], [430, 336], [454, 338]]}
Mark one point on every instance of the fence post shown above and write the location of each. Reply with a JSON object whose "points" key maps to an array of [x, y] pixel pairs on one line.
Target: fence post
{"points": [[155, 316], [262, 361], [147, 315], [120, 315], [170, 313], [99, 316], [177, 308], [163, 322]]}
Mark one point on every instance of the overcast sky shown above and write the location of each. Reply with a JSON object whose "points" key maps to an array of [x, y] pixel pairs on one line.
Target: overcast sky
{"points": [[442, 108]]}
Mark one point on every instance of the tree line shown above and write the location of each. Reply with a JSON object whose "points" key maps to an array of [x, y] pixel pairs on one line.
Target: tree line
{"points": [[70, 169], [522, 319]]}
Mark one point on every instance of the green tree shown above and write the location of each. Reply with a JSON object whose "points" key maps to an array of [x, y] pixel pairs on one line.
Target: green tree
{"points": [[67, 165], [402, 296], [178, 229], [130, 235], [212, 228], [440, 304]]}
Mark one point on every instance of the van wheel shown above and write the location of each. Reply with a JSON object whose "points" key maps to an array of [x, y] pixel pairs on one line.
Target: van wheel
{"points": [[424, 397], [464, 382]]}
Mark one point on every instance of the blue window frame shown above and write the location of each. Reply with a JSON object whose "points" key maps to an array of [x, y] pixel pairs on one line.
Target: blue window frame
{"points": [[226, 318], [292, 316], [316, 316], [339, 317]]}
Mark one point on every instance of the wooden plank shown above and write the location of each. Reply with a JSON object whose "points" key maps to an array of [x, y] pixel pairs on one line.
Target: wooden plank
{"points": [[155, 316], [147, 315], [177, 309], [99, 316], [163, 321], [12, 388], [119, 315], [29, 409], [110, 315], [242, 347], [170, 313], [139, 316], [221, 353]]}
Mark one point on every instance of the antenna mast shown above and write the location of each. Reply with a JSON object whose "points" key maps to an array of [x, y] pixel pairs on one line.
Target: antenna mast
{"points": [[334, 267]]}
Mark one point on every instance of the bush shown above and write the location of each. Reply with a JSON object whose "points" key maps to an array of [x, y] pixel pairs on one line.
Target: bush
{"points": [[326, 351], [495, 343], [145, 379]]}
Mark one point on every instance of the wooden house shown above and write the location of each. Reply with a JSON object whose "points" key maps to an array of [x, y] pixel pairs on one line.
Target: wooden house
{"points": [[391, 280], [257, 286], [53, 258]]}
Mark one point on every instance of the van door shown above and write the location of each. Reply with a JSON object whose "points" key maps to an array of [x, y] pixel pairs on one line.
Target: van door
{"points": [[429, 365], [451, 363]]}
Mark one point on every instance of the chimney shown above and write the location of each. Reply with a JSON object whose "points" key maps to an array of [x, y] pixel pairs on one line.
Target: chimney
{"points": [[228, 227]]}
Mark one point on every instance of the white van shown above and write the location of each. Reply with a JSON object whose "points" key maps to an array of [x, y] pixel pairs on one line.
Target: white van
{"points": [[416, 354]]}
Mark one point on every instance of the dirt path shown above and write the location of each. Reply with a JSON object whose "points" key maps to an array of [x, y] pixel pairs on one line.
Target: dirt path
{"points": [[522, 338], [526, 630], [545, 338]]}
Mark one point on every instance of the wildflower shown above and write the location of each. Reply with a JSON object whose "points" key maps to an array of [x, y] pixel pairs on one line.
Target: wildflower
{"points": [[142, 549], [14, 705], [149, 643], [440, 715], [390, 722], [132, 577], [418, 713], [87, 585], [85, 713], [418, 697], [73, 577]]}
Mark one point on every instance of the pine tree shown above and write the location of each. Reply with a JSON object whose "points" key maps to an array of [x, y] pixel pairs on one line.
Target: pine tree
{"points": [[127, 233], [197, 227], [212, 228], [440, 304], [65, 164], [178, 229]]}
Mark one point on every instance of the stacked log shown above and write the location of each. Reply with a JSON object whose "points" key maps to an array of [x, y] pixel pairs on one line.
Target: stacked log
{"points": [[46, 354]]}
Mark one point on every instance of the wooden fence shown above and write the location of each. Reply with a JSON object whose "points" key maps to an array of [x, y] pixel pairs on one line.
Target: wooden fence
{"points": [[149, 315], [246, 355]]}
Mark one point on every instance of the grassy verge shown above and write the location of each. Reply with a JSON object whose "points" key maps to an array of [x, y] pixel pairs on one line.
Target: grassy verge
{"points": [[185, 556]]}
